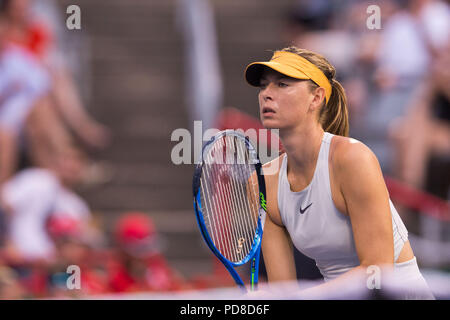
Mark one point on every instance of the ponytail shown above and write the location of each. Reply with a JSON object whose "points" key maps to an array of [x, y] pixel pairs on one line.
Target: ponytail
{"points": [[333, 116]]}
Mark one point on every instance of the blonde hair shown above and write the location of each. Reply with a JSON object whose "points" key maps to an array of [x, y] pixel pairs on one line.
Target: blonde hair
{"points": [[333, 116]]}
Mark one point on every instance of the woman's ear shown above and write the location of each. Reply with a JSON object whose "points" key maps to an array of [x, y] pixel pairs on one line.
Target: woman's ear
{"points": [[318, 98]]}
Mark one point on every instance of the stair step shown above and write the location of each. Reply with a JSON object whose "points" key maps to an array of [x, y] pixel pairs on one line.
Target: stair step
{"points": [[150, 174], [190, 268], [157, 197]]}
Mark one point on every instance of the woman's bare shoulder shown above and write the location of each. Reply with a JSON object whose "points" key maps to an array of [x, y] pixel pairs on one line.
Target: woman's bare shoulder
{"points": [[349, 156], [349, 151]]}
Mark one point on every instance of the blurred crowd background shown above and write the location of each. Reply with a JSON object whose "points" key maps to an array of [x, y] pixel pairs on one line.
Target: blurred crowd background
{"points": [[86, 118]]}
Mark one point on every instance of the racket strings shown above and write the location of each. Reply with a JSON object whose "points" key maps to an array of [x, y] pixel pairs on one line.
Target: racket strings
{"points": [[244, 220], [239, 223], [230, 198], [216, 221], [253, 186], [234, 225], [251, 218], [218, 204]]}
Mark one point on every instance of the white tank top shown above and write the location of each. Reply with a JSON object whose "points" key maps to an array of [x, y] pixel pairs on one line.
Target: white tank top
{"points": [[317, 228]]}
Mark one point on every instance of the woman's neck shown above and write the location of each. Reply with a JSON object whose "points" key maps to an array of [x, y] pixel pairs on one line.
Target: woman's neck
{"points": [[302, 147]]}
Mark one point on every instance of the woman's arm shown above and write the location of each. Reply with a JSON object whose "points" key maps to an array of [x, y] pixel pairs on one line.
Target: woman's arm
{"points": [[278, 253], [276, 244], [367, 201]]}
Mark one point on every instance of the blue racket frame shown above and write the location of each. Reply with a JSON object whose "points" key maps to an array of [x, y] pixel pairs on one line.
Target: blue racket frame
{"points": [[255, 251]]}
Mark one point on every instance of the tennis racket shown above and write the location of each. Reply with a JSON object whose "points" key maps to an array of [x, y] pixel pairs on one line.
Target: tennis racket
{"points": [[230, 202]]}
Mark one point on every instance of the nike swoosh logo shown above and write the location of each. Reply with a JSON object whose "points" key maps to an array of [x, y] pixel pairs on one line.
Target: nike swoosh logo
{"points": [[302, 211]]}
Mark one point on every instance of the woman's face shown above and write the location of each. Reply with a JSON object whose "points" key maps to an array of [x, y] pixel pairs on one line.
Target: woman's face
{"points": [[284, 102]]}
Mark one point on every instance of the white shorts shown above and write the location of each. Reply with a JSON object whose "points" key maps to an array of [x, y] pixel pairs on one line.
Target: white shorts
{"points": [[408, 283]]}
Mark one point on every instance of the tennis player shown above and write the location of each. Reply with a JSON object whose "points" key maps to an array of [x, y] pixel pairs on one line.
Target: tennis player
{"points": [[328, 197]]}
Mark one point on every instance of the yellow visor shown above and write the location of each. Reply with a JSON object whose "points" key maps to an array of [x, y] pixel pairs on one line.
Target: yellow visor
{"points": [[291, 65]]}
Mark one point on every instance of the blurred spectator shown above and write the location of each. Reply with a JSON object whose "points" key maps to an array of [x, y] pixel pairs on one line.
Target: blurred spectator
{"points": [[49, 227], [74, 246], [26, 30], [23, 84], [409, 41], [139, 265], [424, 132], [33, 194], [39, 97]]}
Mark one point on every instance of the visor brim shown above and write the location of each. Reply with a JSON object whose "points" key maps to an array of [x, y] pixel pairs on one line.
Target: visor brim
{"points": [[254, 71]]}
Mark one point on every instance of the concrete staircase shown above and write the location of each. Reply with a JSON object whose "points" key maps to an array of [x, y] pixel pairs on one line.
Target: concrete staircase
{"points": [[137, 89]]}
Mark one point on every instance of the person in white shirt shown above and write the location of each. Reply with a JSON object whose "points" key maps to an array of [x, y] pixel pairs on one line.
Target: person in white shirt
{"points": [[35, 194]]}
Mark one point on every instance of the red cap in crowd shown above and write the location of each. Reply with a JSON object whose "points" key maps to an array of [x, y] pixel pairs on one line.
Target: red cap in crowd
{"points": [[134, 227], [60, 225]]}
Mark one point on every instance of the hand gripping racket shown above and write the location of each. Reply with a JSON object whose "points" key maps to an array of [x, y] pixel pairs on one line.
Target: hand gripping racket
{"points": [[230, 202]]}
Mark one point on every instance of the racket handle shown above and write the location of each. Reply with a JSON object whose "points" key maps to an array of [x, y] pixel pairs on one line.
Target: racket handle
{"points": [[255, 270], [254, 284]]}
